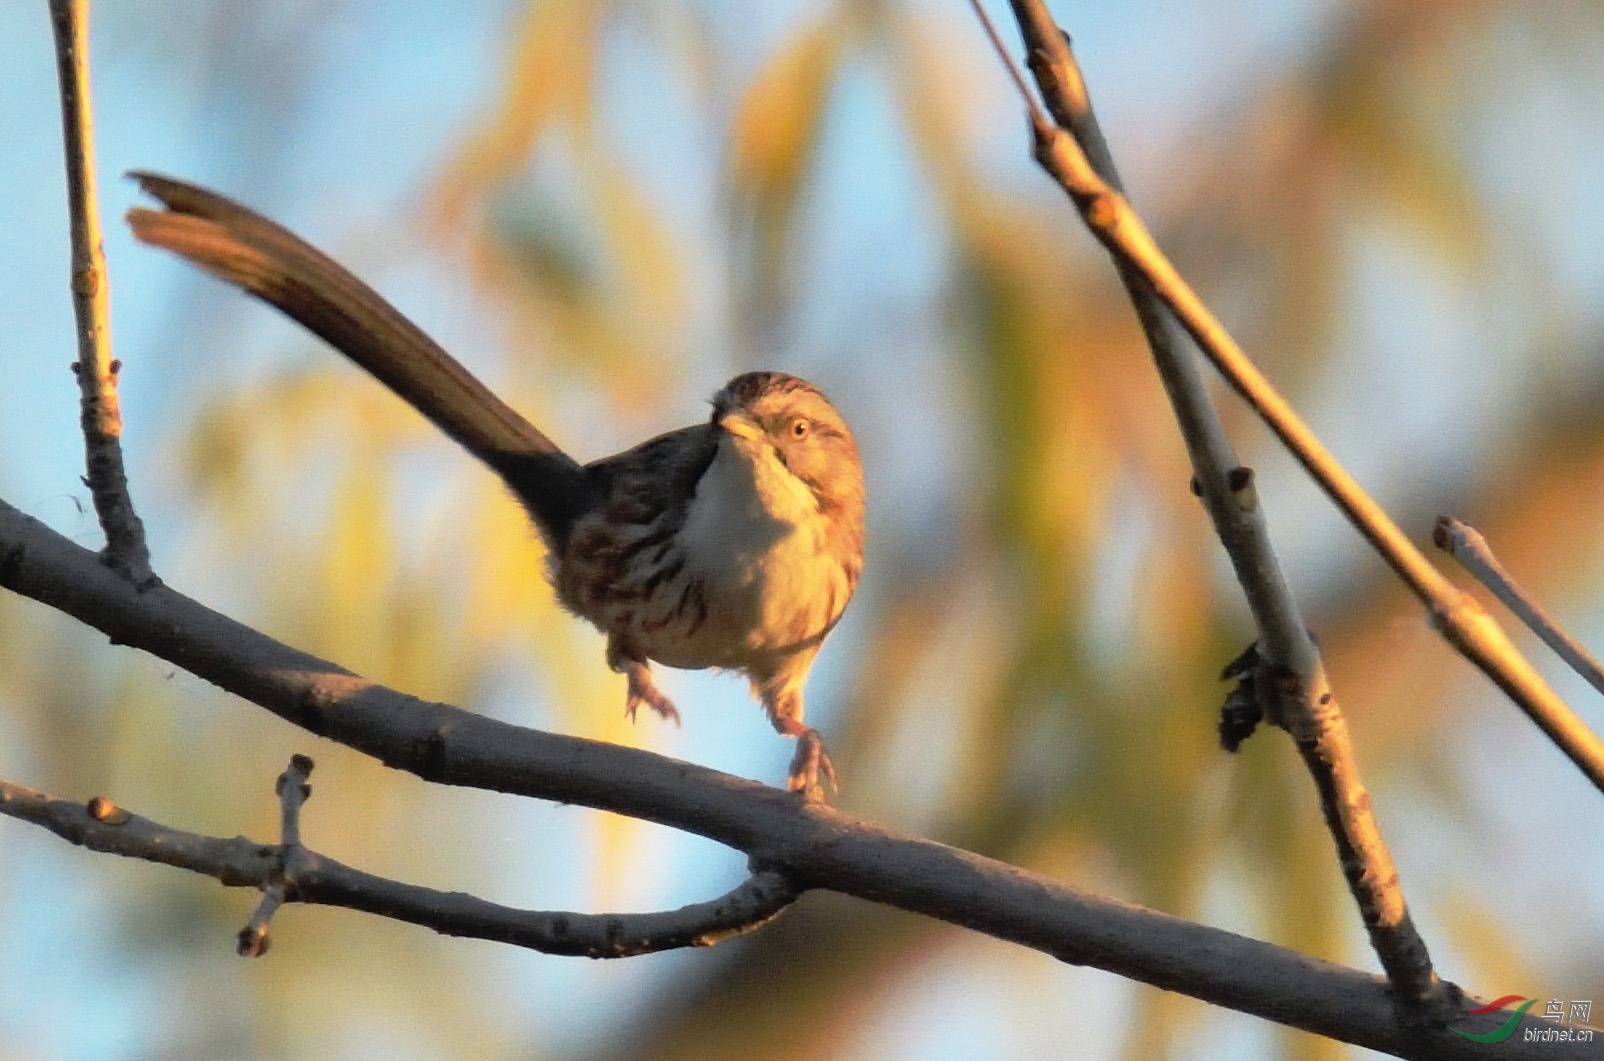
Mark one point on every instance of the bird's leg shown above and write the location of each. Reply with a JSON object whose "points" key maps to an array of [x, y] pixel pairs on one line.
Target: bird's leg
{"points": [[785, 711], [642, 690], [809, 762]]}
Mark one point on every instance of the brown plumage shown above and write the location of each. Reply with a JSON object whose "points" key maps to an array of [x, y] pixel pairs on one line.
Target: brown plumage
{"points": [[733, 544]]}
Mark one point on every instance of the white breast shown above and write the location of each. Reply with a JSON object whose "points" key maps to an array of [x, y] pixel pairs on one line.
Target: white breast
{"points": [[754, 536]]}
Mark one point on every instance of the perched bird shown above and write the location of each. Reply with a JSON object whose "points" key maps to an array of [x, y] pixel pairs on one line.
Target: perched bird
{"points": [[733, 544]]}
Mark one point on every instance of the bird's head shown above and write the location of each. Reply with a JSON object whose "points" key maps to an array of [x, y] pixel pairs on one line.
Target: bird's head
{"points": [[778, 420]]}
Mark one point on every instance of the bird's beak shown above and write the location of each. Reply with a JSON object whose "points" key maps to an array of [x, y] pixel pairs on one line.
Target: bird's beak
{"points": [[741, 426]]}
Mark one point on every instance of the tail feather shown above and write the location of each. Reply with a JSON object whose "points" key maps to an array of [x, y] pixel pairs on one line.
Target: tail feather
{"points": [[237, 245]]}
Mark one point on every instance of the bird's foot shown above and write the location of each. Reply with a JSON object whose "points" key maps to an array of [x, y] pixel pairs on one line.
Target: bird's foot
{"points": [[642, 690], [809, 764]]}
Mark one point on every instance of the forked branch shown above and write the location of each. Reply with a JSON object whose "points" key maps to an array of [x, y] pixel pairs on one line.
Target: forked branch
{"points": [[290, 873], [1463, 622], [1284, 676], [811, 844]]}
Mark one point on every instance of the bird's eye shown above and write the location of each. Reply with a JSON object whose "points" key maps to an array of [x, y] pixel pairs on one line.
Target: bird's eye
{"points": [[799, 428]]}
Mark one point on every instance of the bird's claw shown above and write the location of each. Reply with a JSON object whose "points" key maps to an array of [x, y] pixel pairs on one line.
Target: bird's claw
{"points": [[643, 691], [808, 764]]}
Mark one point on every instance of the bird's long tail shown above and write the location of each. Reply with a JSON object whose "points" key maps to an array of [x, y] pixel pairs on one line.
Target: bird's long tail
{"points": [[265, 259]]}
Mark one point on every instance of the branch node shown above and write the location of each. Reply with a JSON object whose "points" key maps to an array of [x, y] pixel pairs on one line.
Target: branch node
{"points": [[1102, 209], [1243, 489], [292, 790], [86, 282], [429, 757], [104, 810]]}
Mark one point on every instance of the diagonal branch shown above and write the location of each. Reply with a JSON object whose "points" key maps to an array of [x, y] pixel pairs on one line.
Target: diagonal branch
{"points": [[289, 873], [1465, 544], [1463, 622], [101, 416], [813, 845], [1287, 674]]}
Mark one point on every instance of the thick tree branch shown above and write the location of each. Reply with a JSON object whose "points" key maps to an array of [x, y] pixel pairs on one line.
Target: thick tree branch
{"points": [[292, 874], [812, 844], [1465, 544], [101, 414], [1287, 675], [1464, 623]]}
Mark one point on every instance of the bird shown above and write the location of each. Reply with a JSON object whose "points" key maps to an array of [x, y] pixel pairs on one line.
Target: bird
{"points": [[732, 544]]}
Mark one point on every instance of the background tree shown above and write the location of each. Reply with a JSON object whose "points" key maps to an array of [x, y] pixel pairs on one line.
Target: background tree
{"points": [[611, 207]]}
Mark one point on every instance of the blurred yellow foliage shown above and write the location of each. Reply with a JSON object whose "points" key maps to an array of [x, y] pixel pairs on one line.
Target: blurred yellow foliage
{"points": [[1031, 668]]}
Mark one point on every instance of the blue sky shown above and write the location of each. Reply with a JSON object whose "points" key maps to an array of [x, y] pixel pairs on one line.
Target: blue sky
{"points": [[373, 102]]}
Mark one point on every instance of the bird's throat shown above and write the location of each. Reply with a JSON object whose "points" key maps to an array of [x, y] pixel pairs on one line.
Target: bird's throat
{"points": [[746, 504]]}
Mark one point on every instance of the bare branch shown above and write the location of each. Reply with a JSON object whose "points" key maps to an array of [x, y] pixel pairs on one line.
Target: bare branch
{"points": [[253, 940], [1463, 622], [1038, 120], [1465, 544], [1287, 675], [293, 791], [812, 844], [101, 415], [292, 874], [753, 903]]}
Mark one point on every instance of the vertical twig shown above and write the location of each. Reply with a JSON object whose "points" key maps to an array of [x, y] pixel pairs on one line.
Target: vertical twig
{"points": [[1289, 675], [101, 416], [293, 790]]}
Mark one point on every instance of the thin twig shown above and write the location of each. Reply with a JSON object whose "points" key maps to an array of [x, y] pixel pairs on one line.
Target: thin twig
{"points": [[1463, 542], [1288, 674], [253, 939], [814, 845], [1038, 120], [293, 791], [288, 873], [1464, 623], [101, 414]]}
